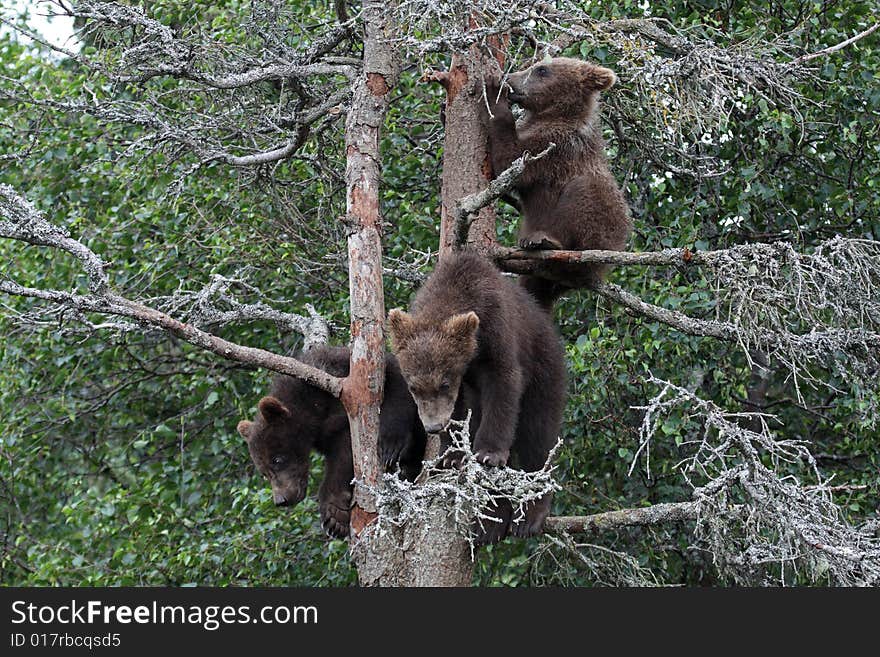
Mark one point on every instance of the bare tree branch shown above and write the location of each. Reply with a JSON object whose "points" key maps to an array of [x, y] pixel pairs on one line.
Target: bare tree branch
{"points": [[176, 57], [215, 306], [673, 318], [238, 80], [795, 351], [19, 220], [522, 261], [803, 309], [835, 48], [755, 511], [163, 130], [113, 304], [457, 501], [268, 124], [623, 518]]}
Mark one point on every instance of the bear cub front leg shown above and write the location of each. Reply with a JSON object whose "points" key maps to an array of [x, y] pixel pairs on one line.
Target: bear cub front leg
{"points": [[335, 494]]}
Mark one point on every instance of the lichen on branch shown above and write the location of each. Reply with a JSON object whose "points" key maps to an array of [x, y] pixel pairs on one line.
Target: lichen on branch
{"points": [[469, 492]]}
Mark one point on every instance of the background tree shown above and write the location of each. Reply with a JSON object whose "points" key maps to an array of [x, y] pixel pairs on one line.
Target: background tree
{"points": [[210, 164]]}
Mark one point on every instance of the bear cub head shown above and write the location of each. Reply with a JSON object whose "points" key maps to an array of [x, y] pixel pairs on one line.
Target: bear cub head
{"points": [[433, 359], [282, 460], [557, 85]]}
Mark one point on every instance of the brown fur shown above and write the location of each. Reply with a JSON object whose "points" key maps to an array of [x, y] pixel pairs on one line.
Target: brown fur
{"points": [[296, 418], [569, 198], [472, 330]]}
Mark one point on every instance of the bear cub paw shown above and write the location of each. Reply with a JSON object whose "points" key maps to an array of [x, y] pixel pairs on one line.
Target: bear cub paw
{"points": [[389, 455], [492, 458], [533, 522], [539, 240], [451, 460], [527, 528], [489, 532], [336, 517]]}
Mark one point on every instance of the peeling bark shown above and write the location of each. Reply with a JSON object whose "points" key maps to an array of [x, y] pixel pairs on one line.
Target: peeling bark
{"points": [[429, 552], [362, 389], [466, 167]]}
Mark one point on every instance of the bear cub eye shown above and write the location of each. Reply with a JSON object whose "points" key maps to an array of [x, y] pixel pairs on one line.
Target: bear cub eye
{"points": [[444, 386], [278, 460], [543, 71]]}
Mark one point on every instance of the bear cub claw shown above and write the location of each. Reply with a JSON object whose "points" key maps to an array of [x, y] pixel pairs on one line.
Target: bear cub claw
{"points": [[451, 460], [492, 458], [336, 517], [537, 241], [389, 456]]}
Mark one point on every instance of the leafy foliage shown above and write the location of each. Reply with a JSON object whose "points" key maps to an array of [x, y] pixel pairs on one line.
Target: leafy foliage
{"points": [[119, 460]]}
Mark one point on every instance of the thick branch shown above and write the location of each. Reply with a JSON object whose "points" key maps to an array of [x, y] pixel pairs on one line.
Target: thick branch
{"points": [[22, 222], [680, 321], [780, 312], [19, 220], [643, 517], [520, 261], [843, 338]]}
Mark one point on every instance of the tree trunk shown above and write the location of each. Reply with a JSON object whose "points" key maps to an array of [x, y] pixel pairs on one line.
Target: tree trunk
{"points": [[427, 552], [431, 550], [466, 166], [362, 389]]}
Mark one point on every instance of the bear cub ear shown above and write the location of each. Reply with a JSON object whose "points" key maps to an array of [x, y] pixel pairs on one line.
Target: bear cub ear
{"points": [[463, 325], [400, 325], [599, 78], [244, 429], [272, 409]]}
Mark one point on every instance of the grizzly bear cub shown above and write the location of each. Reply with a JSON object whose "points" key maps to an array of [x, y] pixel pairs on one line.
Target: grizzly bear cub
{"points": [[471, 329], [296, 418], [569, 199]]}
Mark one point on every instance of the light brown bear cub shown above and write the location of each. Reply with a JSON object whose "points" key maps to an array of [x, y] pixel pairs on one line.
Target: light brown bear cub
{"points": [[473, 333], [569, 199]]}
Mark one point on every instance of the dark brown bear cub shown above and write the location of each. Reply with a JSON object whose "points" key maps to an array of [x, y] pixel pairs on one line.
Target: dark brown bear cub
{"points": [[296, 418], [471, 327], [569, 199]]}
